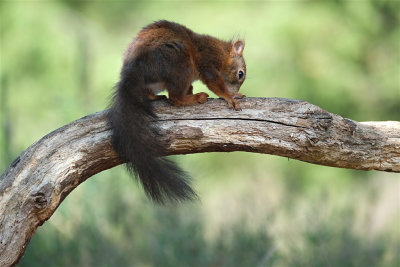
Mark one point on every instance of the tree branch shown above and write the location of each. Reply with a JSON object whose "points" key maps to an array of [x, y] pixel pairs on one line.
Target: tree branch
{"points": [[41, 177]]}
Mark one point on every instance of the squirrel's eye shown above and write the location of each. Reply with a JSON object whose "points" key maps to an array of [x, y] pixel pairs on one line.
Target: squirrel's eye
{"points": [[240, 74]]}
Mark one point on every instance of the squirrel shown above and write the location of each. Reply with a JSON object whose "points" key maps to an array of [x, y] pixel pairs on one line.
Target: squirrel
{"points": [[168, 56]]}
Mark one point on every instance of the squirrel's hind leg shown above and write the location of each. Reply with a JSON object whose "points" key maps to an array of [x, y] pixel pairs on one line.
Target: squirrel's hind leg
{"points": [[187, 98]]}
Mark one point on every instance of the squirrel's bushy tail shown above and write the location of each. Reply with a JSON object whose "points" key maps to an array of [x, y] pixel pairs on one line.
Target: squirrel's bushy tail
{"points": [[136, 139]]}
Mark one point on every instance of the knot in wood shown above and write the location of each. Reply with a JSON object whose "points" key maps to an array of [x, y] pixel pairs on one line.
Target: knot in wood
{"points": [[39, 200], [321, 121]]}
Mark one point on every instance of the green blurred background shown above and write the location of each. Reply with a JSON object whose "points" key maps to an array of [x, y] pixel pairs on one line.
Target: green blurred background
{"points": [[60, 60]]}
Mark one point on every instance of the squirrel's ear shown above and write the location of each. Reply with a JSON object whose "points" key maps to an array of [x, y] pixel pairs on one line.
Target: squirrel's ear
{"points": [[237, 47]]}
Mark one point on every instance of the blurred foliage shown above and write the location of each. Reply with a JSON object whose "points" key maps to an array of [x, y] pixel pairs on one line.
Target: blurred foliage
{"points": [[60, 59]]}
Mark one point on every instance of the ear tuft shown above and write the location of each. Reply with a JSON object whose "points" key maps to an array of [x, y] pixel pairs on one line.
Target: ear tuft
{"points": [[237, 47]]}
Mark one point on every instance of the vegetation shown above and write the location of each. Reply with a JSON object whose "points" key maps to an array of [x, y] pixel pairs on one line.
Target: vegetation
{"points": [[60, 60]]}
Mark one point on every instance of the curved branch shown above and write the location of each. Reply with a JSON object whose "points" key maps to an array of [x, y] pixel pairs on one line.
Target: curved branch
{"points": [[41, 177]]}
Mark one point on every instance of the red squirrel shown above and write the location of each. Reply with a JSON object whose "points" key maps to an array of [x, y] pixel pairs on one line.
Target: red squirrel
{"points": [[168, 56]]}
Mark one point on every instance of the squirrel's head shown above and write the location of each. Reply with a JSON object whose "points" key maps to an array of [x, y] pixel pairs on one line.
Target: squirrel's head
{"points": [[234, 71]]}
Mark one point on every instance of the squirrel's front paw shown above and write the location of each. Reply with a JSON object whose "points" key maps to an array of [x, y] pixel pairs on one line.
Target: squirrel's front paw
{"points": [[234, 104], [237, 107]]}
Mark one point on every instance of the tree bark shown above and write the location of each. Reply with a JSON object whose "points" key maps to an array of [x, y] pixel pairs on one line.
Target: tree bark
{"points": [[41, 177]]}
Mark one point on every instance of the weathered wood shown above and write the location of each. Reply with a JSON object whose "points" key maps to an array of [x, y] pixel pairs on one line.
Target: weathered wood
{"points": [[41, 177]]}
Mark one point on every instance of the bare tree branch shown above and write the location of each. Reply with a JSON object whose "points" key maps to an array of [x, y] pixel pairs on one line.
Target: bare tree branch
{"points": [[41, 177]]}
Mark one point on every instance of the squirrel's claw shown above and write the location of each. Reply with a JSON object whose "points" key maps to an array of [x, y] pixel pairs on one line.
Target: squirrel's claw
{"points": [[234, 104]]}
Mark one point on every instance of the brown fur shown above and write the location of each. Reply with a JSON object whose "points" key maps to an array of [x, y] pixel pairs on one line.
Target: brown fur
{"points": [[195, 56]]}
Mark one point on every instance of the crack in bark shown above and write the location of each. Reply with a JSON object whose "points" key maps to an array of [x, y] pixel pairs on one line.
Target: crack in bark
{"points": [[233, 119]]}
